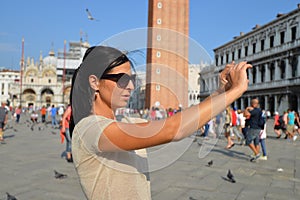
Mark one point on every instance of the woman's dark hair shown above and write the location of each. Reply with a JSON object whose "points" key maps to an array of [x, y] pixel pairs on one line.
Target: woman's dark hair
{"points": [[98, 60]]}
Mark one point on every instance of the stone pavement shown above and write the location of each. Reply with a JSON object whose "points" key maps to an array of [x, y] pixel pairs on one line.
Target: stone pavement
{"points": [[29, 158]]}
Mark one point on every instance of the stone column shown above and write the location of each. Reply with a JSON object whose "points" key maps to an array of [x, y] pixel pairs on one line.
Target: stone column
{"points": [[267, 102], [277, 71], [210, 84], [288, 69], [298, 102], [6, 88], [275, 103], [242, 103], [1, 89], [267, 72], [258, 74], [298, 67], [250, 76]]}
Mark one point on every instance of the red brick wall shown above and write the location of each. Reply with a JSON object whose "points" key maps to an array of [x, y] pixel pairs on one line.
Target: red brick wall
{"points": [[173, 47]]}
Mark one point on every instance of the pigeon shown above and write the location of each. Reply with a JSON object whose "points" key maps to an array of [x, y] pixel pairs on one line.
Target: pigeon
{"points": [[90, 17], [191, 198], [53, 132], [10, 197], [32, 129], [58, 175], [210, 163], [15, 130], [230, 176]]}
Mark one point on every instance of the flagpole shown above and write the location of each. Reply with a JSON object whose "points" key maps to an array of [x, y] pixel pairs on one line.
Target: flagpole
{"points": [[21, 71], [64, 73]]}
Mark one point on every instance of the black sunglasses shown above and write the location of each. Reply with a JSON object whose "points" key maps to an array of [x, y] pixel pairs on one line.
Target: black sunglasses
{"points": [[122, 79]]}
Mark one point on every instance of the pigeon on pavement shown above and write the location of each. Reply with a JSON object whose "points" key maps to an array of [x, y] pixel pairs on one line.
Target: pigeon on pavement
{"points": [[58, 175], [210, 163], [10, 197], [230, 176]]}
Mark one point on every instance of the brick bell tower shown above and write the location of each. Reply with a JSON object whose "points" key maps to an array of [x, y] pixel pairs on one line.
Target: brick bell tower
{"points": [[167, 54]]}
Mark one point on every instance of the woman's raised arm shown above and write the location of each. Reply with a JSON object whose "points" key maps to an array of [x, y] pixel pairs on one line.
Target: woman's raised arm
{"points": [[123, 136]]}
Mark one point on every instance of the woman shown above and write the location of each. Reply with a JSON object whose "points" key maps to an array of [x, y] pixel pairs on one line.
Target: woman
{"points": [[18, 112], [65, 129], [227, 127], [277, 126], [104, 149]]}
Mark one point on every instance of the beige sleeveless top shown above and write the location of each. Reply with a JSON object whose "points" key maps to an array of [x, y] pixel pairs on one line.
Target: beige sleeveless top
{"points": [[108, 175]]}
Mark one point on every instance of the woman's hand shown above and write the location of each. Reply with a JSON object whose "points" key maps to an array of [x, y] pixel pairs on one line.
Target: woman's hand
{"points": [[234, 76], [224, 83]]}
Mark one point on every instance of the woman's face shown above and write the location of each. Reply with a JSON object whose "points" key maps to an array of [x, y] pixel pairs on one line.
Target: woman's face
{"points": [[112, 94]]}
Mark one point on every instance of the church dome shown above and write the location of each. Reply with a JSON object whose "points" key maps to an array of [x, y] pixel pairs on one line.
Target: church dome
{"points": [[86, 44], [50, 59]]}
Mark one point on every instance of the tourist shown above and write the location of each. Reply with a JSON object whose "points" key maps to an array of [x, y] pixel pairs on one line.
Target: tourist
{"points": [[3, 120], [227, 128], [103, 148], [277, 125], [66, 131], [234, 129], [284, 124], [262, 141], [18, 112], [253, 112], [53, 116], [241, 124], [43, 112], [290, 128], [34, 117], [297, 123]]}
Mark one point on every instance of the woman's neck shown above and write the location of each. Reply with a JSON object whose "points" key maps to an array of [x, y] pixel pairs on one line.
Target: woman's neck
{"points": [[103, 109]]}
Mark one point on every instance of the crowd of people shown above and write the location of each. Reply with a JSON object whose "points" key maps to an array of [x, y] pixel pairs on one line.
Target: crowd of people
{"points": [[248, 127], [235, 124], [57, 116]]}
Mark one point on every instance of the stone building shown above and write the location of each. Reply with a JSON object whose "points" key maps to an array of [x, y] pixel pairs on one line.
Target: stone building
{"points": [[194, 84], [45, 82], [39, 84], [273, 49], [8, 78]]}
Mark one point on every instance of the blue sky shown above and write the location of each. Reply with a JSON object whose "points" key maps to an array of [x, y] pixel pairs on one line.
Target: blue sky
{"points": [[46, 24]]}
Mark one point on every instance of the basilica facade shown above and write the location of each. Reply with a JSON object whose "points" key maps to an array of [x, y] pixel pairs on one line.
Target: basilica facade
{"points": [[273, 50], [47, 81]]}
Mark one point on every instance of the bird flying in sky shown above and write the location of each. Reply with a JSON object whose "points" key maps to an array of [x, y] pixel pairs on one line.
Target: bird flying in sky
{"points": [[90, 17]]}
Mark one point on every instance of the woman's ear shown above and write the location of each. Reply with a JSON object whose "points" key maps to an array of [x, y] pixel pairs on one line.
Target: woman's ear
{"points": [[93, 80]]}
